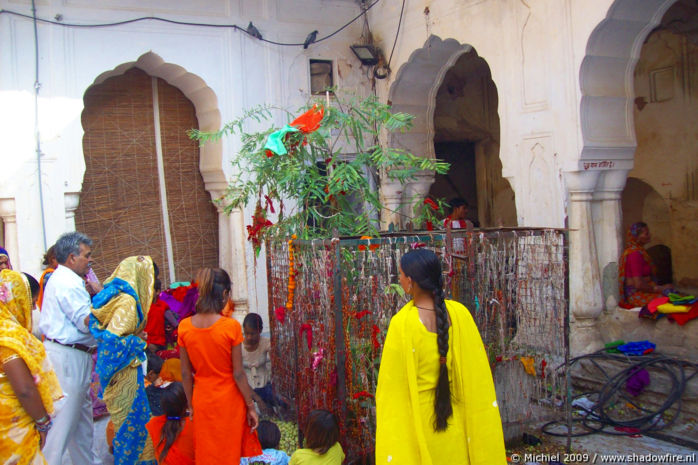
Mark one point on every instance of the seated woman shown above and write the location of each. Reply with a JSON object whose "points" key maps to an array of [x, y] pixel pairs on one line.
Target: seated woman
{"points": [[636, 271]]}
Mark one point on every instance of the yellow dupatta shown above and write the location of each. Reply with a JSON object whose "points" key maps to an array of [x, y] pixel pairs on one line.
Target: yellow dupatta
{"points": [[17, 433], [399, 431], [120, 315]]}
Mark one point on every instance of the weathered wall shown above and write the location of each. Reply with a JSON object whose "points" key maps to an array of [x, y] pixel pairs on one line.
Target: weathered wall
{"points": [[224, 70], [534, 50], [666, 109]]}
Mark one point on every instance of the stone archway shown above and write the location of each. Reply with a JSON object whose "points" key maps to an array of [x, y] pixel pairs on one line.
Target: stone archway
{"points": [[230, 227], [205, 103], [608, 136], [414, 91], [467, 135], [606, 111]]}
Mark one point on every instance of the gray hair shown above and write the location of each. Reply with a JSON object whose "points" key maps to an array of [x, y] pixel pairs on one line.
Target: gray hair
{"points": [[70, 243]]}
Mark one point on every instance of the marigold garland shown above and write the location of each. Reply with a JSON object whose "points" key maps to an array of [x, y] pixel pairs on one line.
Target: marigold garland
{"points": [[371, 247], [291, 275]]}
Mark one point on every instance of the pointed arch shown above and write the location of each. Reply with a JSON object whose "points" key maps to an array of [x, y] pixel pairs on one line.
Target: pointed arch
{"points": [[606, 80], [205, 104]]}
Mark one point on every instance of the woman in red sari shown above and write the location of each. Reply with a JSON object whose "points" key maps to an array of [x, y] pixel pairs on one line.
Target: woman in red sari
{"points": [[636, 271]]}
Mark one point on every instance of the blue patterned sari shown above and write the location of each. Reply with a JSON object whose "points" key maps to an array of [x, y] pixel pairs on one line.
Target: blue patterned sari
{"points": [[117, 319]]}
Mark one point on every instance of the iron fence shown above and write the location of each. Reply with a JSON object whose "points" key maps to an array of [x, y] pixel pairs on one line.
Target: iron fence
{"points": [[330, 303]]}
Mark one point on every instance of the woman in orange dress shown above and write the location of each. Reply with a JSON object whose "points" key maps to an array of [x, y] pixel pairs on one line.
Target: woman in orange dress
{"points": [[213, 377]]}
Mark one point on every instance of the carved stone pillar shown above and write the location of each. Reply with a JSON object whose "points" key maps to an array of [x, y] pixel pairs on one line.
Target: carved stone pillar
{"points": [[238, 264], [71, 200], [8, 213], [391, 199], [416, 191], [608, 229], [584, 280], [224, 250], [231, 252]]}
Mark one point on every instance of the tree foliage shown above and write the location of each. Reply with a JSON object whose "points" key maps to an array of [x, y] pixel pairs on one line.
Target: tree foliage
{"points": [[324, 182]]}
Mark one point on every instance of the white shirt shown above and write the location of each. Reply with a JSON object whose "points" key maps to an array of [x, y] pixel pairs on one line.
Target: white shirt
{"points": [[66, 304], [458, 242], [257, 364]]}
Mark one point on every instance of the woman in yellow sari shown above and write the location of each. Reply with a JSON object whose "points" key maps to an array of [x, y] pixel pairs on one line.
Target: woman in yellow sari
{"points": [[435, 399], [119, 316], [28, 385]]}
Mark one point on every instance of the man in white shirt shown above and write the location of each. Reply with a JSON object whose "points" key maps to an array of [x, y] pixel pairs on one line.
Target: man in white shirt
{"points": [[458, 220], [69, 345]]}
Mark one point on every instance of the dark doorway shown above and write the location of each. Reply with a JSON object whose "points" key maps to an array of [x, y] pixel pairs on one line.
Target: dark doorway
{"points": [[460, 181]]}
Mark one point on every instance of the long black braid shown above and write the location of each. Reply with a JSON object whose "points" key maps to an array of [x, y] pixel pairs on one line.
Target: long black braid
{"points": [[174, 405], [424, 267]]}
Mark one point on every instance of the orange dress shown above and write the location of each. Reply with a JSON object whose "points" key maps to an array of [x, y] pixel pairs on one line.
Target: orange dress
{"points": [[220, 414], [182, 450]]}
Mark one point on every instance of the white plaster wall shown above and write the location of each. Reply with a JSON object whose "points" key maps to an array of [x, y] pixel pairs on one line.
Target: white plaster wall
{"points": [[241, 71], [534, 49]]}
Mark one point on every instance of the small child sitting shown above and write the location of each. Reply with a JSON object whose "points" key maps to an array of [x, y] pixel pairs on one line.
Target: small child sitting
{"points": [[256, 362], [322, 445], [173, 433], [154, 386], [269, 438]]}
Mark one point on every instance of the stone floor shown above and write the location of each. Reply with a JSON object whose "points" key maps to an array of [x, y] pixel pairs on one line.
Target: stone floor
{"points": [[605, 448], [602, 447]]}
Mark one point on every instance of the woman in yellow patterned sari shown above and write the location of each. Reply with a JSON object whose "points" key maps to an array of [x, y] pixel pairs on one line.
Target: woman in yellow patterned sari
{"points": [[119, 315], [28, 385]]}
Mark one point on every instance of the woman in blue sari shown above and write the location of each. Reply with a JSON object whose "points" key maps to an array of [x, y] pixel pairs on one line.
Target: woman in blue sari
{"points": [[119, 315]]}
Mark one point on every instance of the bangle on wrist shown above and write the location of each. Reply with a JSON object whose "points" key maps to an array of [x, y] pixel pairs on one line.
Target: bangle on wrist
{"points": [[43, 420], [43, 426], [250, 403]]}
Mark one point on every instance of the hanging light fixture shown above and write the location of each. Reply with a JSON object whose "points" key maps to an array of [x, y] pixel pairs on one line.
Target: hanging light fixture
{"points": [[367, 54]]}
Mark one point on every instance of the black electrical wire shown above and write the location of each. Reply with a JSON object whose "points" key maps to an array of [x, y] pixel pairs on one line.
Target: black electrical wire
{"points": [[599, 418], [397, 34], [187, 23]]}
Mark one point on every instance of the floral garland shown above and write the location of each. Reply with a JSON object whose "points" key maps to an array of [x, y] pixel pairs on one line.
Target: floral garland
{"points": [[429, 222], [291, 274], [371, 247], [260, 223]]}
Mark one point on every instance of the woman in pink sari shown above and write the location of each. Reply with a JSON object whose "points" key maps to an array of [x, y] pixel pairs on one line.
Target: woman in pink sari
{"points": [[636, 271]]}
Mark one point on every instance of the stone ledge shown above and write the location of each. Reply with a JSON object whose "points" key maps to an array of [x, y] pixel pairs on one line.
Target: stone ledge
{"points": [[671, 339]]}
